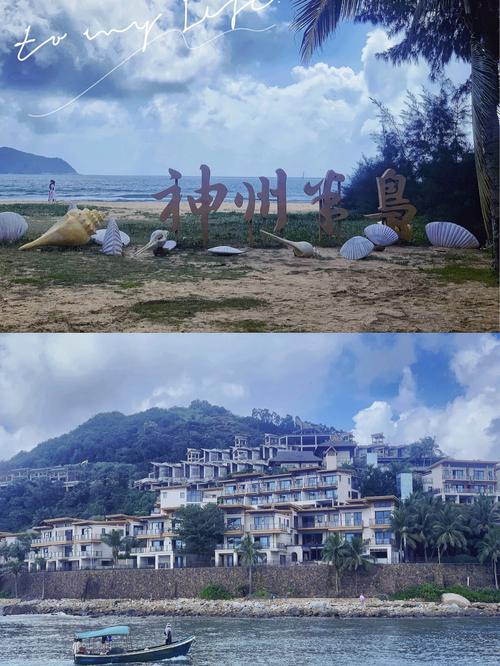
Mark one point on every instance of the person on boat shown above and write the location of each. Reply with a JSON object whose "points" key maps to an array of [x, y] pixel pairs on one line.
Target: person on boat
{"points": [[77, 646], [168, 634]]}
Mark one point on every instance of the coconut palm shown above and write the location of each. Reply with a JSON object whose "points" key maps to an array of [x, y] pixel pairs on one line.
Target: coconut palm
{"points": [[250, 556], [449, 529], [115, 541], [489, 550], [16, 568], [403, 526], [424, 510], [334, 552], [437, 30], [355, 558], [484, 514]]}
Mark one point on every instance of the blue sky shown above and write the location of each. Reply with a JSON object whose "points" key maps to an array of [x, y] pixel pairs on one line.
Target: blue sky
{"points": [[243, 103], [405, 385]]}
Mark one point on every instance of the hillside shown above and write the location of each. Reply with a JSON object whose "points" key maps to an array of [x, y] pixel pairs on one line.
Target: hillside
{"points": [[156, 434], [17, 162]]}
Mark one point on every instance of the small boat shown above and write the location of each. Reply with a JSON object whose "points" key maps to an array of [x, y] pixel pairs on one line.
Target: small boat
{"points": [[101, 650]]}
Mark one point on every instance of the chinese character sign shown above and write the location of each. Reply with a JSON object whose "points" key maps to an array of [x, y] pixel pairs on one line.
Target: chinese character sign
{"points": [[396, 212], [329, 213], [206, 203], [173, 208]]}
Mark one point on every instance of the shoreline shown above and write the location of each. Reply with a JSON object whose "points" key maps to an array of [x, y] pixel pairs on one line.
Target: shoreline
{"points": [[251, 608]]}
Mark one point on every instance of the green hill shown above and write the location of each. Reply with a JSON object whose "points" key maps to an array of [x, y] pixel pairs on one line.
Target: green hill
{"points": [[17, 162]]}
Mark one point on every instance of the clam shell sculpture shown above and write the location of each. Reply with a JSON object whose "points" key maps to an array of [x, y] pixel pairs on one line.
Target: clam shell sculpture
{"points": [[74, 229], [170, 245], [224, 250], [12, 227], [381, 235], [112, 244], [356, 248], [300, 248], [449, 234]]}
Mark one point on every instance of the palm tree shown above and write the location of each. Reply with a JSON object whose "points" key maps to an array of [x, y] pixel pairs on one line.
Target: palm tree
{"points": [[334, 552], [484, 514], [489, 550], [437, 30], [403, 525], [15, 567], [250, 556], [355, 558], [423, 516], [115, 541], [449, 529]]}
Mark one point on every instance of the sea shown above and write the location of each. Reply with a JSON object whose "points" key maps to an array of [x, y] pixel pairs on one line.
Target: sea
{"points": [[74, 187], [45, 640]]}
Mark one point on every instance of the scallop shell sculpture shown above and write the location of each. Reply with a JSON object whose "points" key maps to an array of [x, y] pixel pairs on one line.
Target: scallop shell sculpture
{"points": [[98, 237], [449, 234], [381, 235], [300, 248], [74, 229], [112, 244], [356, 248], [170, 245], [12, 227], [224, 250]]}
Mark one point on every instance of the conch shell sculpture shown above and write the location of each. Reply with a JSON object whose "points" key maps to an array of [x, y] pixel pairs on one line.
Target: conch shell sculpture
{"points": [[300, 248], [74, 229]]}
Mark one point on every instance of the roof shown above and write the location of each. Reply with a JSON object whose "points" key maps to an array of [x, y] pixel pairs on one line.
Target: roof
{"points": [[454, 461], [295, 456], [107, 631]]}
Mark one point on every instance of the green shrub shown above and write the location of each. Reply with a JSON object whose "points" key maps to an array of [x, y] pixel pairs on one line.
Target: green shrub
{"points": [[242, 591], [262, 594], [213, 591], [431, 592]]}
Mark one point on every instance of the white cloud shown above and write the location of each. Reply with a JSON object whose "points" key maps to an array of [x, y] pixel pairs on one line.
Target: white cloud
{"points": [[466, 426]]}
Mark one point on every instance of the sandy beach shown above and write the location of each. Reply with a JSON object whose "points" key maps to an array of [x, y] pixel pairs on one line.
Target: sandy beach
{"points": [[403, 289]]}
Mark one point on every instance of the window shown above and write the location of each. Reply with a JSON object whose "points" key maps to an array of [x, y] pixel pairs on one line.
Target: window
{"points": [[263, 541], [479, 474], [285, 485], [233, 542], [382, 517], [330, 478], [233, 523], [383, 537], [331, 493], [262, 522]]}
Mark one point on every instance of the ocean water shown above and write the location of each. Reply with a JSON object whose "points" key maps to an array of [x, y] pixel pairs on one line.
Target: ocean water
{"points": [[74, 187], [45, 640]]}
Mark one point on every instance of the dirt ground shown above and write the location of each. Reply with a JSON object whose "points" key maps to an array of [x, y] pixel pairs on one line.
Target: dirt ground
{"points": [[403, 289]]}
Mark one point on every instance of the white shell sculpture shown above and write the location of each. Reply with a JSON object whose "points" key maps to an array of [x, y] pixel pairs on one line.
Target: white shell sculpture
{"points": [[357, 247], [159, 243], [448, 234], [300, 248], [381, 235], [12, 227], [170, 245], [225, 250], [112, 245], [98, 237]]}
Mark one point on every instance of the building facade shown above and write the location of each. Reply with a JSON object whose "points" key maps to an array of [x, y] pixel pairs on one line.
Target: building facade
{"points": [[461, 481]]}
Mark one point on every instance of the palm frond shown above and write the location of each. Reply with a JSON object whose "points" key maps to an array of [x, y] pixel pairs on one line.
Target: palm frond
{"points": [[318, 19]]}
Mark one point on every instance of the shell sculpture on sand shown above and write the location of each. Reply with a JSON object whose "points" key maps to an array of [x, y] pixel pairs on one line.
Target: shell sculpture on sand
{"points": [[159, 243], [225, 250], [300, 248], [381, 235], [357, 247], [99, 235], [112, 244], [448, 234], [74, 229], [12, 227]]}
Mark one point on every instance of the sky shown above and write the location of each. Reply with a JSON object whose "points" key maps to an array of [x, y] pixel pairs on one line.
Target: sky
{"points": [[238, 100], [406, 385]]}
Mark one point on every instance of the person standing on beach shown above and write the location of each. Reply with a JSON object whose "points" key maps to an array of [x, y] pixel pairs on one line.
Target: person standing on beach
{"points": [[52, 191]]}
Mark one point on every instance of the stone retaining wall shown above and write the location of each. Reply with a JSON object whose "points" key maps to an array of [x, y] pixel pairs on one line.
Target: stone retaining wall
{"points": [[295, 581]]}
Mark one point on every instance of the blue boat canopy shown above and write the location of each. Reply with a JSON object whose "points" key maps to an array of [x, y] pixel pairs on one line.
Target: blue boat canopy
{"points": [[107, 631]]}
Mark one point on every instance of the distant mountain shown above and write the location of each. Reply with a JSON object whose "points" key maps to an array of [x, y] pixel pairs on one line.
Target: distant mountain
{"points": [[17, 162], [156, 434]]}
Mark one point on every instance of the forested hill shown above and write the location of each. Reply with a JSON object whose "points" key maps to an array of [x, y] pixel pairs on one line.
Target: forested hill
{"points": [[156, 434], [18, 162]]}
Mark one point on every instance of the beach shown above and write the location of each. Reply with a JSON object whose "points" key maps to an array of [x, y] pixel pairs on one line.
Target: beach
{"points": [[406, 288]]}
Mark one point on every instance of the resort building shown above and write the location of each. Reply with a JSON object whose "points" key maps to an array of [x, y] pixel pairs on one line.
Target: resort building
{"points": [[68, 475], [296, 535], [461, 481]]}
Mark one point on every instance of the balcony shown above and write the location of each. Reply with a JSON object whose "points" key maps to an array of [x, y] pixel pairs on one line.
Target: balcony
{"points": [[377, 522], [151, 550]]}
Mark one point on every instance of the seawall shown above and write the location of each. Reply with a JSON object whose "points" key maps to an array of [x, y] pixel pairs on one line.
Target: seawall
{"points": [[297, 581]]}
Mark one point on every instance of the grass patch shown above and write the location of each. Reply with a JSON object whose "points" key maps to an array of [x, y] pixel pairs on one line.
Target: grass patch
{"points": [[458, 273], [177, 309], [213, 591], [431, 592]]}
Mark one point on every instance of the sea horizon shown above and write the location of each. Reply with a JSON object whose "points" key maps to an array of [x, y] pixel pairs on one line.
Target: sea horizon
{"points": [[81, 187]]}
